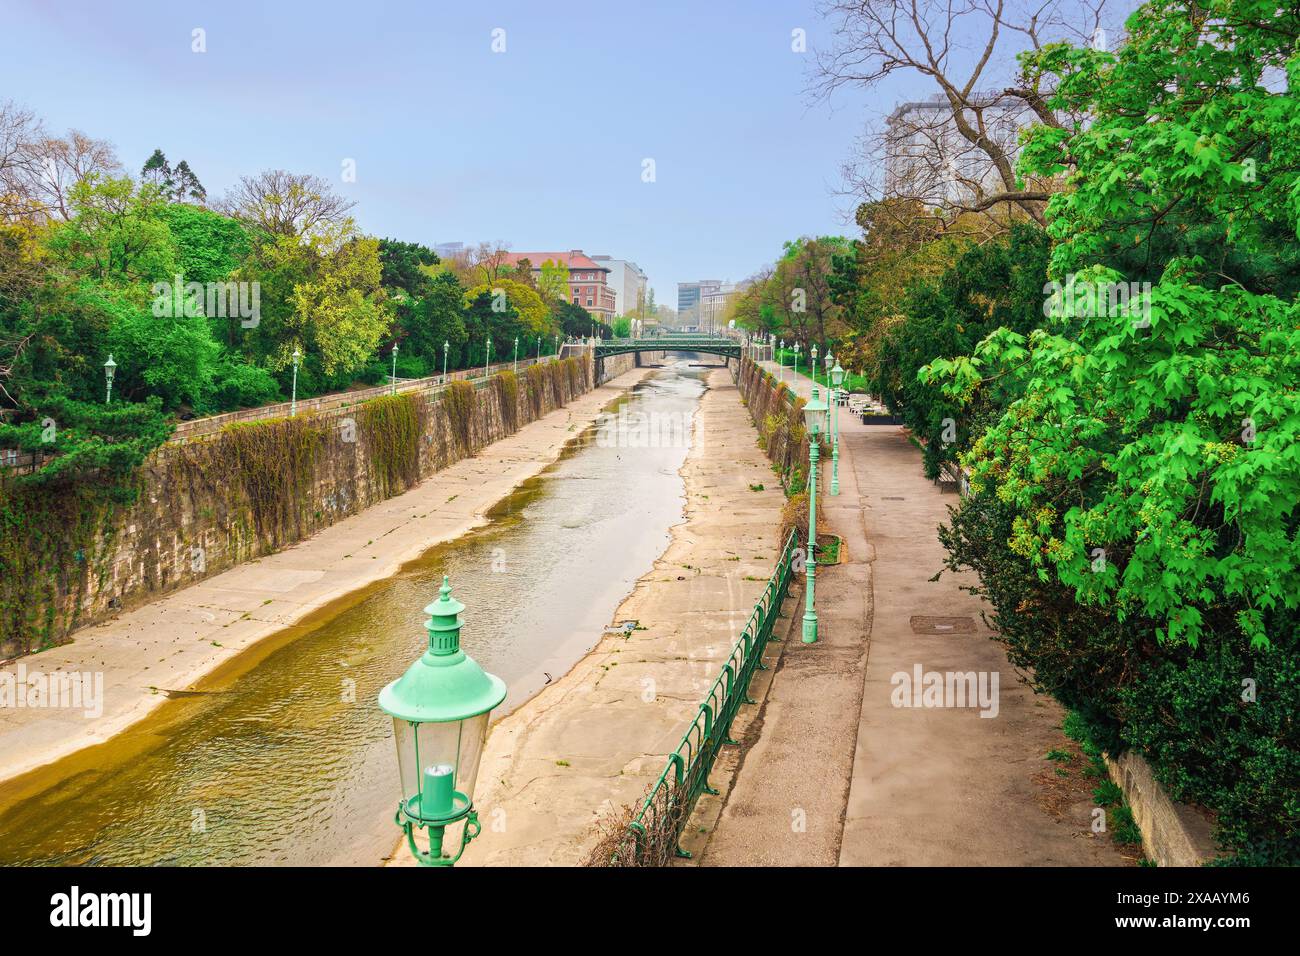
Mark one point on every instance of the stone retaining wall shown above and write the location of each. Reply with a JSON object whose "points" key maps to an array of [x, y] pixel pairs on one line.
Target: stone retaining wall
{"points": [[210, 503]]}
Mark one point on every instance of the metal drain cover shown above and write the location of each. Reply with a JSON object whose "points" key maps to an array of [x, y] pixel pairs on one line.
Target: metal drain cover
{"points": [[926, 624], [891, 498]]}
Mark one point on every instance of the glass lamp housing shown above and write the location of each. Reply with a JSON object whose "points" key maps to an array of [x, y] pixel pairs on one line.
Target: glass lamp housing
{"points": [[813, 412], [438, 764], [440, 709]]}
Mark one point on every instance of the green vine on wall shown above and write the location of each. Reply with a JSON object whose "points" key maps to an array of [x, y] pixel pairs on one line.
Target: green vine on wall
{"points": [[458, 402], [52, 544], [536, 379], [273, 462], [506, 385], [392, 426]]}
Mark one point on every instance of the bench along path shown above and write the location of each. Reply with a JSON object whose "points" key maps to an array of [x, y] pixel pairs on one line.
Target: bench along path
{"points": [[839, 774]]}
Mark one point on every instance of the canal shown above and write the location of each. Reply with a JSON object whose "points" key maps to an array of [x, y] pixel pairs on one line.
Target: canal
{"points": [[283, 757]]}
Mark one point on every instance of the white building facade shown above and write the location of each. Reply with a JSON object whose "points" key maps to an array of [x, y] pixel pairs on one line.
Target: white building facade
{"points": [[628, 282]]}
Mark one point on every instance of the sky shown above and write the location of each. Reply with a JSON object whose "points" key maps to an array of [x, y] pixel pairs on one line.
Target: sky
{"points": [[542, 146]]}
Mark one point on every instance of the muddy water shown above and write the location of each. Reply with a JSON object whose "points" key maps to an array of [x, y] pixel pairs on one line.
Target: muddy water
{"points": [[283, 758]]}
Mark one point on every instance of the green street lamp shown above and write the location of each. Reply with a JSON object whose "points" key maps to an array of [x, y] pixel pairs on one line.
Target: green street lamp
{"points": [[487, 357], [445, 345], [293, 400], [837, 379], [110, 369], [812, 365], [780, 354], [440, 710], [539, 350], [796, 363], [812, 416], [830, 393], [394, 375], [516, 367]]}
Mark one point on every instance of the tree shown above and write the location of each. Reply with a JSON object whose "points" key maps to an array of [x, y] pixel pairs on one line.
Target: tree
{"points": [[209, 246], [997, 286], [404, 266], [553, 285], [187, 185], [287, 204], [1165, 432], [965, 137], [340, 314], [116, 233], [573, 320], [171, 356], [435, 318], [38, 172]]}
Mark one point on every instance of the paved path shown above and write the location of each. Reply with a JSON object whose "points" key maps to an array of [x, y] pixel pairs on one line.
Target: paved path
{"points": [[841, 775]]}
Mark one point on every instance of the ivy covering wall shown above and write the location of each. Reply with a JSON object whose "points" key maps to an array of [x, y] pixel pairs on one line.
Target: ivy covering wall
{"points": [[85, 548]]}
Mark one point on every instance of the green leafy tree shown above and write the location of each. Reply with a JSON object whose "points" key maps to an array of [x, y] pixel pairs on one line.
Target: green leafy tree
{"points": [[553, 284], [209, 246], [1134, 513]]}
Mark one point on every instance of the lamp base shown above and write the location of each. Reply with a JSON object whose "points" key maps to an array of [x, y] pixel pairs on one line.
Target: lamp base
{"points": [[434, 856], [810, 628]]}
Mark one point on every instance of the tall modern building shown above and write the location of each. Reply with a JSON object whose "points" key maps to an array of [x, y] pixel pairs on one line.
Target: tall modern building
{"points": [[690, 301], [628, 282], [449, 250]]}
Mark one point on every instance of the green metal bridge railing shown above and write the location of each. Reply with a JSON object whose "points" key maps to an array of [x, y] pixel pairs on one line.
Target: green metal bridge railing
{"points": [[717, 344], [653, 837]]}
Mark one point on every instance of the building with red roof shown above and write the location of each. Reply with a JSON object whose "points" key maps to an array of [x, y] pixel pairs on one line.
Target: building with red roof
{"points": [[588, 280]]}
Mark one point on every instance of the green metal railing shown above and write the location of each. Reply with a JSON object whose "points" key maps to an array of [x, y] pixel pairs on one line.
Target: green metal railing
{"points": [[653, 836]]}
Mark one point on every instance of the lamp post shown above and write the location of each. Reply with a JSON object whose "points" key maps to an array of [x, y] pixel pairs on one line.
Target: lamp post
{"points": [[440, 710], [557, 345], [445, 345], [539, 350], [516, 365], [394, 375], [837, 379], [812, 416], [796, 363], [827, 362], [487, 358], [293, 400], [780, 355], [110, 369], [812, 365]]}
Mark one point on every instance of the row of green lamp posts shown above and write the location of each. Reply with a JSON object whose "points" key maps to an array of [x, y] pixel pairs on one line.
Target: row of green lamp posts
{"points": [[818, 416], [110, 367]]}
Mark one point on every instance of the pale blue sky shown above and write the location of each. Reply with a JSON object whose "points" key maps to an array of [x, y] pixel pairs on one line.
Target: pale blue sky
{"points": [[541, 146]]}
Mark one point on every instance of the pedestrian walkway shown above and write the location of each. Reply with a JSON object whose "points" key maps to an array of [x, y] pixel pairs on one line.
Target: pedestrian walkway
{"points": [[839, 773]]}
